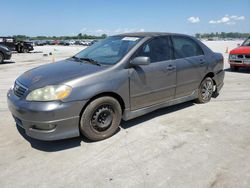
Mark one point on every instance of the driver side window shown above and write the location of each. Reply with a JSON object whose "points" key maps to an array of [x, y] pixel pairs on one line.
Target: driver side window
{"points": [[157, 49]]}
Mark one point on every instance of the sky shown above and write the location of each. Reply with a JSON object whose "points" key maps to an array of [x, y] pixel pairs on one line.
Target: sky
{"points": [[71, 17]]}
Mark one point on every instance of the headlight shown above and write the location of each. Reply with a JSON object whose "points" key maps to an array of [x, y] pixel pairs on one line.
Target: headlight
{"points": [[232, 56], [49, 93]]}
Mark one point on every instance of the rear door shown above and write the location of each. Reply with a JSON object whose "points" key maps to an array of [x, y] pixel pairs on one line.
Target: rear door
{"points": [[154, 83], [190, 65]]}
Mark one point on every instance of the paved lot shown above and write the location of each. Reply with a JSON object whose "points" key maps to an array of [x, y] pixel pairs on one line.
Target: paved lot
{"points": [[188, 145]]}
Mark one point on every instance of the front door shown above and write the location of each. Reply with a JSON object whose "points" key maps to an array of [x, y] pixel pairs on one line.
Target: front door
{"points": [[155, 83]]}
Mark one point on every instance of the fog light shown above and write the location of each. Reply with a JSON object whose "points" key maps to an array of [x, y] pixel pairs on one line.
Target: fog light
{"points": [[51, 126], [44, 127]]}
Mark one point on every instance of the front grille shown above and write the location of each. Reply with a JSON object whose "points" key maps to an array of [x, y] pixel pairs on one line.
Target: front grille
{"points": [[19, 89]]}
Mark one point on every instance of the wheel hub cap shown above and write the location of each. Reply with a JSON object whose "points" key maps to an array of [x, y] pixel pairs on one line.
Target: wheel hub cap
{"points": [[102, 118]]}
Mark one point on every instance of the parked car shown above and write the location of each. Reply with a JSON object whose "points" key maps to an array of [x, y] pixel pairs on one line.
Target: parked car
{"points": [[19, 46], [69, 42], [240, 57], [121, 77], [5, 53], [40, 42]]}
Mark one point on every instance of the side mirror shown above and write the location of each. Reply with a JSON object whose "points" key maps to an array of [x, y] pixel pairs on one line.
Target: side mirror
{"points": [[140, 61], [238, 45]]}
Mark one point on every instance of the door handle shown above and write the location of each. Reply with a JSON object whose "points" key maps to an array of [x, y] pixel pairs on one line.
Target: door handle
{"points": [[170, 67], [202, 61]]}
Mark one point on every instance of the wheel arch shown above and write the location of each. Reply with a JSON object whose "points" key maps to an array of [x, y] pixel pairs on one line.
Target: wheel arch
{"points": [[105, 94], [211, 75]]}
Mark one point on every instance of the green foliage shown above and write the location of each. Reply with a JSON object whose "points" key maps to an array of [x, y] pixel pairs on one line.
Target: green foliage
{"points": [[79, 36], [223, 35]]}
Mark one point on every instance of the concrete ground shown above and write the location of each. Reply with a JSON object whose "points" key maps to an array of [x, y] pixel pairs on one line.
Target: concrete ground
{"points": [[187, 145]]}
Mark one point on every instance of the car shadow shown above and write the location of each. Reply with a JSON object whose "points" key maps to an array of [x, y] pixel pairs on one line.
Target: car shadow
{"points": [[59, 145], [7, 62], [156, 113], [241, 70], [51, 146]]}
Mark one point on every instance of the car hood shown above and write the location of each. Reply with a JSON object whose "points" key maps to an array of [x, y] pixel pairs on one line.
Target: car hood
{"points": [[241, 50], [56, 73]]}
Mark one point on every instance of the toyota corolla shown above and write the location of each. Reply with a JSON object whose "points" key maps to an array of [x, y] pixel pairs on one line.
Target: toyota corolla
{"points": [[120, 77]]}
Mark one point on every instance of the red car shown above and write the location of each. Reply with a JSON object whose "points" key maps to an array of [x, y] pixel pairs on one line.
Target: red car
{"points": [[240, 57]]}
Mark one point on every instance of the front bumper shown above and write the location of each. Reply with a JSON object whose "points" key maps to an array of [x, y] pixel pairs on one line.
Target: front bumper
{"points": [[240, 62], [46, 120]]}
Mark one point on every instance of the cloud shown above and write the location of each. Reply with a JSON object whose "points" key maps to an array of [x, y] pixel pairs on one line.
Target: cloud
{"points": [[229, 20], [111, 32], [99, 31], [128, 30], [237, 17], [83, 29], [193, 19]]}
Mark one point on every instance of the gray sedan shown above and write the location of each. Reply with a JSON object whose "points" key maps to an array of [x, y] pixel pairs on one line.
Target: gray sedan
{"points": [[121, 77]]}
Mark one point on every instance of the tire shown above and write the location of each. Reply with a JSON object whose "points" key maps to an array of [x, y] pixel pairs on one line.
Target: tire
{"points": [[101, 118], [25, 50], [234, 68], [205, 90], [1, 57]]}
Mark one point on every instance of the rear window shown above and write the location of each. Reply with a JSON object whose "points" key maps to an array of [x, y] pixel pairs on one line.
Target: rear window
{"points": [[186, 47]]}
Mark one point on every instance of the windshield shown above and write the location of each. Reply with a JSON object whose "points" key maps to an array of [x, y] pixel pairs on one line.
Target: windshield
{"points": [[246, 43], [110, 50]]}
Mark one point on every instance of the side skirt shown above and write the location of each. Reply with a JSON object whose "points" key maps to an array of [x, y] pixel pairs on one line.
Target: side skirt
{"points": [[127, 115]]}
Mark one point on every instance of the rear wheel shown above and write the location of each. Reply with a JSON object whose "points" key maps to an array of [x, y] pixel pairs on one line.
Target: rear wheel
{"points": [[1, 57], [234, 68], [205, 90], [101, 118]]}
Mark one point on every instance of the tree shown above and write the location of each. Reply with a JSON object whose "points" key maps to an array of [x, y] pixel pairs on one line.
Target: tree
{"points": [[79, 36], [104, 36]]}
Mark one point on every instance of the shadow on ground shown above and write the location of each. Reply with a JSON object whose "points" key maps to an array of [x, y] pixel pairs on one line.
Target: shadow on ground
{"points": [[7, 62], [241, 70], [51, 146], [54, 146], [157, 113]]}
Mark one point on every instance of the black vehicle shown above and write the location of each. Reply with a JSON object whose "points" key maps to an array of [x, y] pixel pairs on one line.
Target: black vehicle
{"points": [[5, 53], [19, 46]]}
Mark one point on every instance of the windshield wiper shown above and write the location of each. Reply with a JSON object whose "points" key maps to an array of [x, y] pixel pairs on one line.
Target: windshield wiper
{"points": [[92, 61], [89, 60], [75, 58]]}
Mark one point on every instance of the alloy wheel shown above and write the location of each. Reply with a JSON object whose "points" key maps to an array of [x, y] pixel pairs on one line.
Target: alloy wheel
{"points": [[207, 90]]}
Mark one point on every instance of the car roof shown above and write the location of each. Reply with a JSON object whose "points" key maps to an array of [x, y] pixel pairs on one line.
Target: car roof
{"points": [[148, 34]]}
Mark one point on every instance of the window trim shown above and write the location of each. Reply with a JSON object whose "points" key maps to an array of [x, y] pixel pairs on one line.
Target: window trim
{"points": [[174, 51]]}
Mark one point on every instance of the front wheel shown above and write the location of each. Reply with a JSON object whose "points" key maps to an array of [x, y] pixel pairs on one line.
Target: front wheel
{"points": [[205, 90], [101, 118], [25, 50]]}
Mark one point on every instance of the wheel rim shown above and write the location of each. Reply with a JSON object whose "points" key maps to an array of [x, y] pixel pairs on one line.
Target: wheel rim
{"points": [[207, 89], [102, 118], [1, 58]]}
